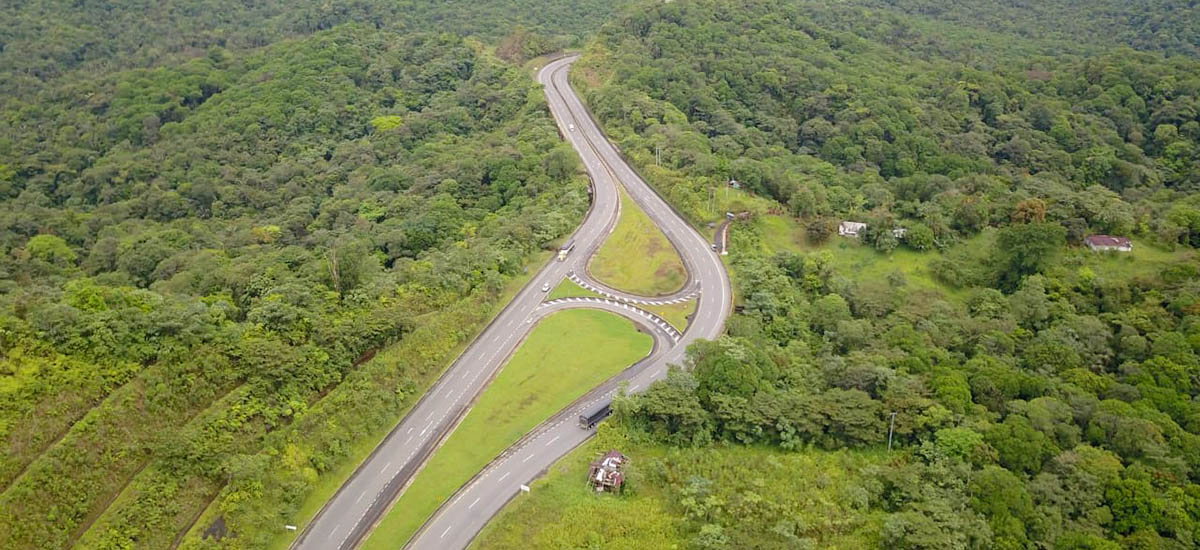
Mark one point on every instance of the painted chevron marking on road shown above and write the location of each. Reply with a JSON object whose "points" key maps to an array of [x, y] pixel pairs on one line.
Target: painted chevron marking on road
{"points": [[655, 319], [586, 285]]}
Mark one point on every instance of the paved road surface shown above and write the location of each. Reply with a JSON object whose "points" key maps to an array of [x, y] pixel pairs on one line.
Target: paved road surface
{"points": [[360, 503], [457, 522]]}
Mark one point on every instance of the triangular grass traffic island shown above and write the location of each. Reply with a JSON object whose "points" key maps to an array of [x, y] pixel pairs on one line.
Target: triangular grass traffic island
{"points": [[637, 257]]}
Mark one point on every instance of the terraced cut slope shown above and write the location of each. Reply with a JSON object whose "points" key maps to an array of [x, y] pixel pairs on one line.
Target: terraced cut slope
{"points": [[567, 354], [637, 257]]}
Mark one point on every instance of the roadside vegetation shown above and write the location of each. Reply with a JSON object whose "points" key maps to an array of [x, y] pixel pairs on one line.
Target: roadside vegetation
{"points": [[637, 257], [546, 374], [226, 272], [410, 351], [1043, 395], [671, 491]]}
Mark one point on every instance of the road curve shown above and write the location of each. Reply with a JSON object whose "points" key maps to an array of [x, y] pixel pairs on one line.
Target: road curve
{"points": [[458, 521], [363, 499]]}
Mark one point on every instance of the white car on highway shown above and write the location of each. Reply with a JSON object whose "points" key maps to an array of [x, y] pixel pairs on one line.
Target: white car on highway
{"points": [[545, 287]]}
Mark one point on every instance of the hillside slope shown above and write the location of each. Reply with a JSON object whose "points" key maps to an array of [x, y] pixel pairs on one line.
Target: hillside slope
{"points": [[1034, 393]]}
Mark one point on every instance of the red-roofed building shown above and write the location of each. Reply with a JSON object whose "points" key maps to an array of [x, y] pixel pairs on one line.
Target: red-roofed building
{"points": [[1108, 242]]}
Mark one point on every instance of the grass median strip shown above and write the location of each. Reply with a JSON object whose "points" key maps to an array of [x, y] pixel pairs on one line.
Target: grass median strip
{"points": [[676, 314], [542, 377], [568, 289], [637, 257]]}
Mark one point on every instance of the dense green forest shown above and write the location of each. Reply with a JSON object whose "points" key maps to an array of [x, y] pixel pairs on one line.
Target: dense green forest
{"points": [[47, 38], [1169, 26], [1044, 396], [224, 265], [240, 239]]}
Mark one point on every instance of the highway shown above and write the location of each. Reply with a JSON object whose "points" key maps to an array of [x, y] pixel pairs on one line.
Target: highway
{"points": [[459, 520], [362, 501]]}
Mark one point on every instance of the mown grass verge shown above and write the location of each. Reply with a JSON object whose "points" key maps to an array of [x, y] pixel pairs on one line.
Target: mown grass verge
{"points": [[542, 377], [637, 257]]}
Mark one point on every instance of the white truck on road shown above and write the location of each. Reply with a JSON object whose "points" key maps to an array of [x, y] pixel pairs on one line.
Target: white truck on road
{"points": [[566, 249]]}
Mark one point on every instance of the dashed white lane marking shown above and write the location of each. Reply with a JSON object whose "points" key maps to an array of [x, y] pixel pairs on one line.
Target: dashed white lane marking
{"points": [[387, 466], [675, 335], [504, 476], [474, 503], [552, 440], [359, 499], [407, 440], [444, 532], [527, 458]]}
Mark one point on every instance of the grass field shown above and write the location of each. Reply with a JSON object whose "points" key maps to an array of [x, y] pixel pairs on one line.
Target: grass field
{"points": [[542, 377], [855, 260], [1144, 259], [814, 489], [637, 257], [851, 258]]}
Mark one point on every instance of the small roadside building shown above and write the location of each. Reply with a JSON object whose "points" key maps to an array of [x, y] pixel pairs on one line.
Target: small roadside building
{"points": [[851, 229], [606, 474], [1100, 243]]}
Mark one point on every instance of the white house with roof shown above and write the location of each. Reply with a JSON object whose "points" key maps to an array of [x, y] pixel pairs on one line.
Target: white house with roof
{"points": [[851, 229], [1100, 243]]}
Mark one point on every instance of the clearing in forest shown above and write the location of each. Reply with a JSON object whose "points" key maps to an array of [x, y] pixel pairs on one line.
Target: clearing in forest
{"points": [[814, 492]]}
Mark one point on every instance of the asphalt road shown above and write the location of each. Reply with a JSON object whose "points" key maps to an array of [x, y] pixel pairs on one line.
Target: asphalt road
{"points": [[358, 506], [458, 521]]}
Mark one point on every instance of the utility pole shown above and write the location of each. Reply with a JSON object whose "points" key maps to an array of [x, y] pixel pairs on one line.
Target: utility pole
{"points": [[657, 150], [891, 428]]}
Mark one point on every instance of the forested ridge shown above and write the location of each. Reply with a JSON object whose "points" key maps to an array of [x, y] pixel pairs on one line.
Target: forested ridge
{"points": [[225, 268], [48, 38], [1044, 396], [1168, 26]]}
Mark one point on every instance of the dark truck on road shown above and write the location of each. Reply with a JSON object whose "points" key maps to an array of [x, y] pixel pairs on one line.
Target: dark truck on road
{"points": [[589, 421]]}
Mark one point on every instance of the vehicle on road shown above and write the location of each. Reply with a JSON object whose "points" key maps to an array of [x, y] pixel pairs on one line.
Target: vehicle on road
{"points": [[589, 421], [566, 249], [571, 127], [545, 287]]}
